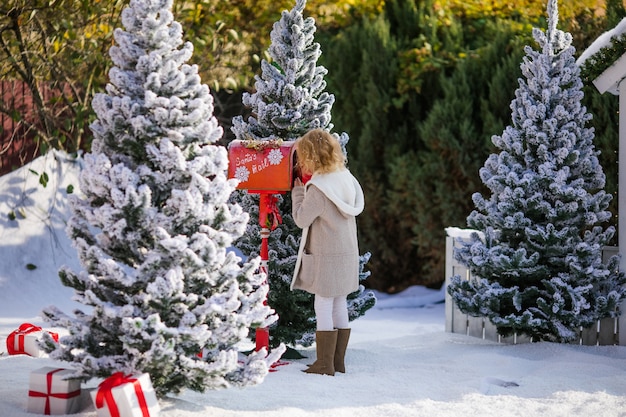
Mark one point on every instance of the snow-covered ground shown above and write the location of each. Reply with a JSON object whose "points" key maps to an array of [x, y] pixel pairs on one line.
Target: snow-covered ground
{"points": [[400, 361]]}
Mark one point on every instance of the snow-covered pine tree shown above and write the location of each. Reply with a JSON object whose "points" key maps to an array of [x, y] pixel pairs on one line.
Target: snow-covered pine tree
{"points": [[289, 101], [153, 225], [539, 262]]}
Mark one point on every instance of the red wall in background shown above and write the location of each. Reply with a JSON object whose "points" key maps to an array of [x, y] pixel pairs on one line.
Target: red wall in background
{"points": [[17, 144]]}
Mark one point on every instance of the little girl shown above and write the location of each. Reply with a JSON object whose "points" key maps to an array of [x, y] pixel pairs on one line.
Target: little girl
{"points": [[328, 259]]}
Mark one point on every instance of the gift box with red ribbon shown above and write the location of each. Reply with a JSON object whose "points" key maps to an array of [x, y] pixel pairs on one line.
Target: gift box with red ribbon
{"points": [[24, 340], [51, 394], [126, 396]]}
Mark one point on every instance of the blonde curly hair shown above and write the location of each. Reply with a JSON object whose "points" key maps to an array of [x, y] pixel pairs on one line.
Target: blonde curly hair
{"points": [[319, 152]]}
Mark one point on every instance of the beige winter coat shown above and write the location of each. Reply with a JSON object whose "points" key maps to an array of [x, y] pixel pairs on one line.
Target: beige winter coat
{"points": [[328, 258]]}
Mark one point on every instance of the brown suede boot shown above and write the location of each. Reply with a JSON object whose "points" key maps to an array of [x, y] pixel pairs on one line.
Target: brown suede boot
{"points": [[343, 335], [326, 341]]}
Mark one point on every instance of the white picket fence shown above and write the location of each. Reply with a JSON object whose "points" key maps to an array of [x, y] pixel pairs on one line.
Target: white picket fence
{"points": [[608, 331]]}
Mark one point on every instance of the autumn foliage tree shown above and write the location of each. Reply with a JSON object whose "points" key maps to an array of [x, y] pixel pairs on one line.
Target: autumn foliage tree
{"points": [[57, 49]]}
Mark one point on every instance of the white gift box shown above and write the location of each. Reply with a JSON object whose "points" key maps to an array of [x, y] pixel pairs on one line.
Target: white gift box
{"points": [[50, 394], [25, 341], [30, 344], [126, 396]]}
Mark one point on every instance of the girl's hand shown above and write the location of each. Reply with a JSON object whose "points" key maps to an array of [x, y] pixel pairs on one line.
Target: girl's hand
{"points": [[297, 183]]}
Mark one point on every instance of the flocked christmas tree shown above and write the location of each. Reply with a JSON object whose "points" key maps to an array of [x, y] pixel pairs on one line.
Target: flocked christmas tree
{"points": [[538, 264], [289, 101], [153, 225]]}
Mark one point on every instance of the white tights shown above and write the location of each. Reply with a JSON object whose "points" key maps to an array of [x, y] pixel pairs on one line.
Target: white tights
{"points": [[331, 313]]}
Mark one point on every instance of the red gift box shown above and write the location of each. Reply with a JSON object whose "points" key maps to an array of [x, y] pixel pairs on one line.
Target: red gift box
{"points": [[126, 396], [50, 394], [24, 340]]}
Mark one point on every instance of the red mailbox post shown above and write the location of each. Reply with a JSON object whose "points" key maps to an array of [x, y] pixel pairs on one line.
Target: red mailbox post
{"points": [[264, 168]]}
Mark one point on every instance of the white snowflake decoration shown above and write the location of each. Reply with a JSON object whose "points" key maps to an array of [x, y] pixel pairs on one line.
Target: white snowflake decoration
{"points": [[275, 156], [242, 174]]}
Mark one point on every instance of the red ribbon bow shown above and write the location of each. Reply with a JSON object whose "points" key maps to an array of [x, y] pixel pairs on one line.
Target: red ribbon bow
{"points": [[48, 394], [105, 395], [269, 215]]}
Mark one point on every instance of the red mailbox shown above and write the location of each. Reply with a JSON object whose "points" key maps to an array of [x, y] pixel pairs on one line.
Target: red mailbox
{"points": [[262, 166]]}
